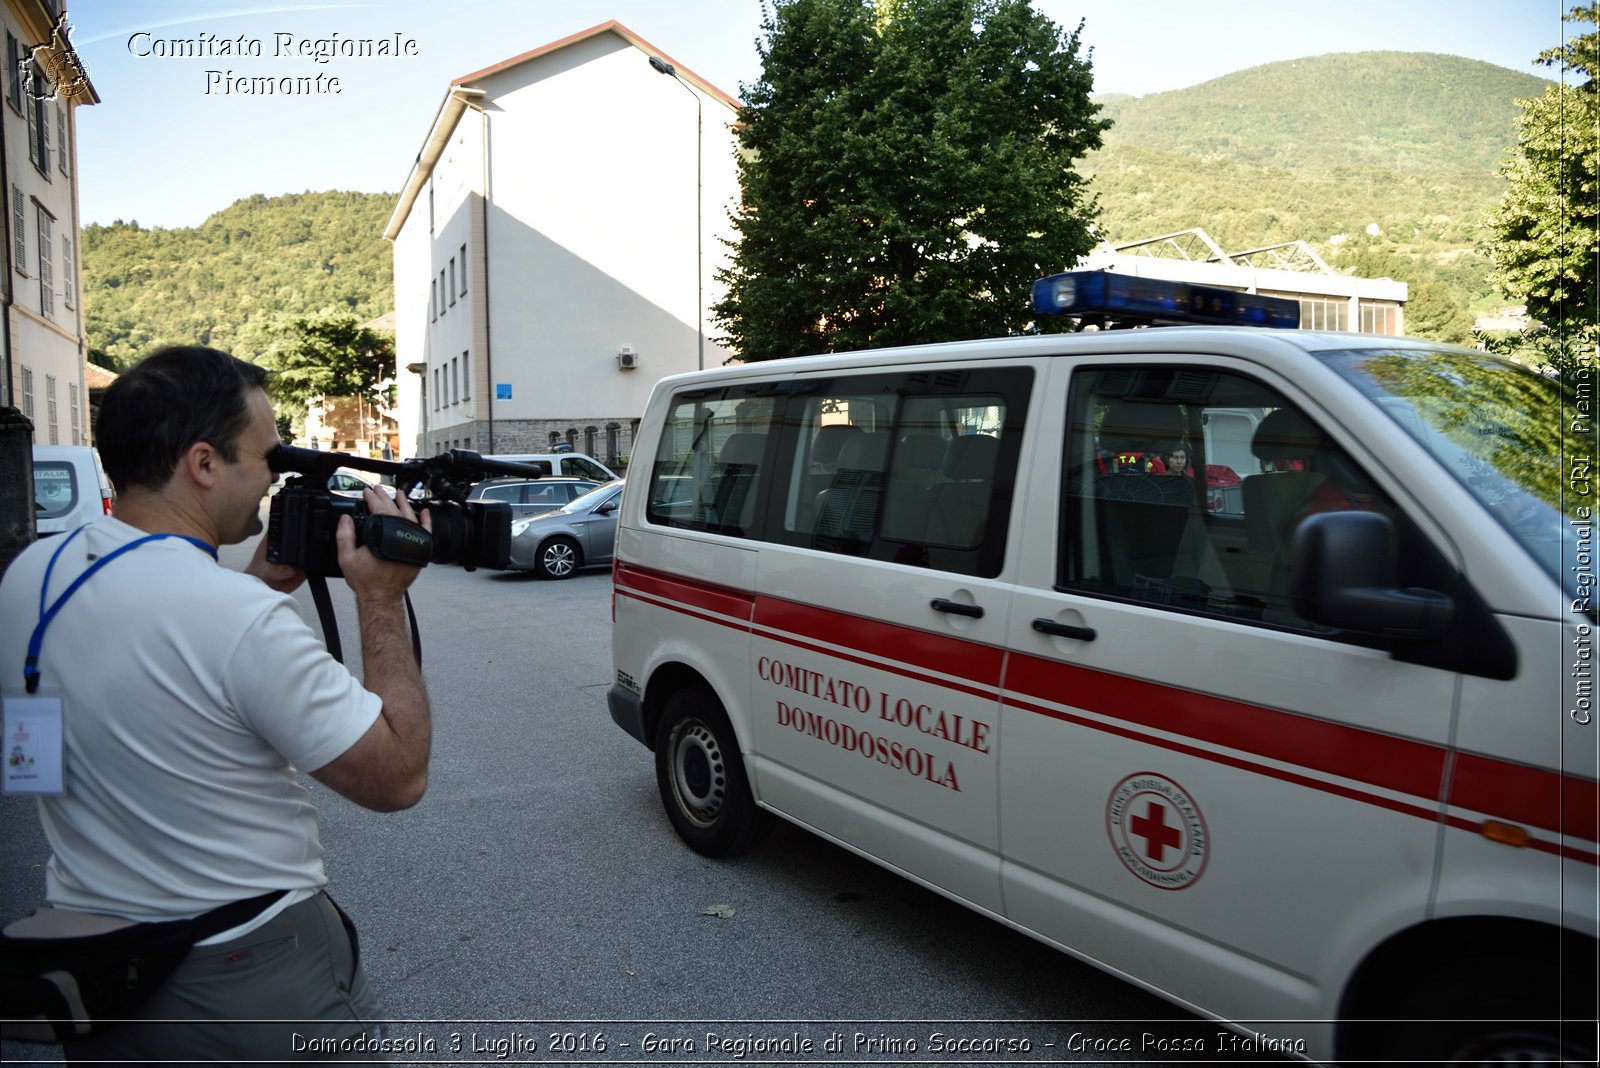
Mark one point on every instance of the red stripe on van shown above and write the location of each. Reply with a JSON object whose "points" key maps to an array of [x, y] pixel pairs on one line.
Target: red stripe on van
{"points": [[974, 663], [1408, 767], [718, 599], [1520, 794]]}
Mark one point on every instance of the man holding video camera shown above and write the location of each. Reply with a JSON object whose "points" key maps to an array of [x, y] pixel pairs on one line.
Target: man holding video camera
{"points": [[190, 696]]}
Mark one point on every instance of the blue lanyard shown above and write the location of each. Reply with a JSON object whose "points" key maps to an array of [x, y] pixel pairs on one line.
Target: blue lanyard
{"points": [[30, 667]]}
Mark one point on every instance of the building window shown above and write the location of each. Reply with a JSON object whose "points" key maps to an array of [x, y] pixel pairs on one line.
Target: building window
{"points": [[36, 90], [436, 391], [1324, 314], [69, 277], [61, 139], [50, 407], [19, 231], [47, 292], [455, 382], [463, 269], [466, 375], [13, 72], [442, 292], [77, 419], [452, 281], [1380, 318], [27, 391]]}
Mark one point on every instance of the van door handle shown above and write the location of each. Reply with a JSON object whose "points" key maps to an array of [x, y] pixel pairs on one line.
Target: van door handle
{"points": [[1064, 630], [956, 608]]}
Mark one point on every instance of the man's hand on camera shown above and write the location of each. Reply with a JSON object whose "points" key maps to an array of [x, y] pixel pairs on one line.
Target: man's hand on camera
{"points": [[281, 577], [365, 573]]}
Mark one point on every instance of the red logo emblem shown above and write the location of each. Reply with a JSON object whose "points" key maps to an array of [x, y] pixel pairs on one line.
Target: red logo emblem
{"points": [[1157, 831]]}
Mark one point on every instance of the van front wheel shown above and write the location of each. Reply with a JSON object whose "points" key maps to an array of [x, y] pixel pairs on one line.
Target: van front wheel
{"points": [[702, 776]]}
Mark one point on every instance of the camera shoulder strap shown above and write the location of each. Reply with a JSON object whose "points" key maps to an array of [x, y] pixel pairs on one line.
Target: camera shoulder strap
{"points": [[330, 624]]}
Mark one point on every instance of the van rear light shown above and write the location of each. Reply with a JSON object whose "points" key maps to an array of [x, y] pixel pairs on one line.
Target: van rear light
{"points": [[105, 503]]}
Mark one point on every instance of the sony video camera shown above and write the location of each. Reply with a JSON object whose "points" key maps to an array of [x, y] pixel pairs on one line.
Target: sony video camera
{"points": [[305, 512]]}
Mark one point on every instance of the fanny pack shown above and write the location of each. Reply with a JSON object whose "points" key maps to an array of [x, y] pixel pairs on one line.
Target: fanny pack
{"points": [[68, 975]]}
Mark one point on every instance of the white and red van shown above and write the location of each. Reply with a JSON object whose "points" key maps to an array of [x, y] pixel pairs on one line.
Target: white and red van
{"points": [[1314, 756]]}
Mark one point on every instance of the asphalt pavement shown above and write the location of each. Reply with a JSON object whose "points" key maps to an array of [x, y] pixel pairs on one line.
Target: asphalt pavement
{"points": [[537, 905]]}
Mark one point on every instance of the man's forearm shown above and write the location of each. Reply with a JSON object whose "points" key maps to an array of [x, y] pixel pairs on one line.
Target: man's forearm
{"points": [[390, 670]]}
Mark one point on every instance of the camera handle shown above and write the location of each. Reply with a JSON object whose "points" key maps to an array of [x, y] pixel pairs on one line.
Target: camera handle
{"points": [[330, 624]]}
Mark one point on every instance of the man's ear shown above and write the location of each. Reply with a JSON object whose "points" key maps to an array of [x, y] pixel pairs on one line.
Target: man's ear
{"points": [[200, 464]]}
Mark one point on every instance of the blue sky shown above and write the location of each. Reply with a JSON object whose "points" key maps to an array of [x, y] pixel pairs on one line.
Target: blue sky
{"points": [[162, 150]]}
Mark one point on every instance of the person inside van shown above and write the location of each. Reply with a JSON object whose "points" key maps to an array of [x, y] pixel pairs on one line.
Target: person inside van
{"points": [[1177, 462]]}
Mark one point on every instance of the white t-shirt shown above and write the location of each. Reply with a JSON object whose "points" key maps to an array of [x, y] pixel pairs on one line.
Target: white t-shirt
{"points": [[190, 693]]}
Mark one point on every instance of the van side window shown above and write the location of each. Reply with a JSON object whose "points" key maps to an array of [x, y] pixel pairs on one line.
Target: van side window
{"points": [[1184, 487], [709, 466], [911, 468]]}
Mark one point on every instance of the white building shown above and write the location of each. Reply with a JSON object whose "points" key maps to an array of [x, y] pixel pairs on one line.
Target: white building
{"points": [[45, 351], [1328, 300], [555, 247]]}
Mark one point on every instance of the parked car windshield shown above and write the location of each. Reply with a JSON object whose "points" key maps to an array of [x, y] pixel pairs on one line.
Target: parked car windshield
{"points": [[592, 498], [1512, 437]]}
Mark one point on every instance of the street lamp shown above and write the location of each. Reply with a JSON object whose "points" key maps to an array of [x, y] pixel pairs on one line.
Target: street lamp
{"points": [[663, 67]]}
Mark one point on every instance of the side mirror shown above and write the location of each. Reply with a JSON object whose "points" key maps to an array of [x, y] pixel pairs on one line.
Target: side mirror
{"points": [[1345, 577]]}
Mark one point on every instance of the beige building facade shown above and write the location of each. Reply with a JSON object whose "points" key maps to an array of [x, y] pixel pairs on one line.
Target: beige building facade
{"points": [[45, 347]]}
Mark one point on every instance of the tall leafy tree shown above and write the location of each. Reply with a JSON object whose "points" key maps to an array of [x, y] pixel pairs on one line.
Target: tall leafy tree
{"points": [[908, 171], [1545, 240], [330, 356]]}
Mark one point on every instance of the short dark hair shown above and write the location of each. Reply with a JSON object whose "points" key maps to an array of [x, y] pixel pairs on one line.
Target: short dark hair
{"points": [[165, 403]]}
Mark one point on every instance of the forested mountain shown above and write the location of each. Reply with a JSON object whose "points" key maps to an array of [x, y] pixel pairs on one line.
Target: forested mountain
{"points": [[1318, 149], [230, 281], [1321, 149]]}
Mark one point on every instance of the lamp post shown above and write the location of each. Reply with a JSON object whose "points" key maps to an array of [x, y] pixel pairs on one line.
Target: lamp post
{"points": [[661, 66]]}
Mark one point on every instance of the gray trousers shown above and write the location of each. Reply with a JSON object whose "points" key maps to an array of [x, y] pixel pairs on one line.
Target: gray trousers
{"points": [[293, 989]]}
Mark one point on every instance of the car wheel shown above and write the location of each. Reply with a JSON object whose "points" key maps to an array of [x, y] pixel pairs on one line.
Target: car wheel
{"points": [[702, 776], [557, 558]]}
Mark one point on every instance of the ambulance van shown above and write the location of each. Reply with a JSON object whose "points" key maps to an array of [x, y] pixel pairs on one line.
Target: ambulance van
{"points": [[1298, 734]]}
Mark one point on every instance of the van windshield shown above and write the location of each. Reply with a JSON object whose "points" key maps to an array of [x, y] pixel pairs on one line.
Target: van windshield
{"points": [[1520, 442]]}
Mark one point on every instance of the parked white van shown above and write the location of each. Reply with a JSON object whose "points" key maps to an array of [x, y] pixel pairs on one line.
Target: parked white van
{"points": [[70, 488], [563, 464], [1299, 736]]}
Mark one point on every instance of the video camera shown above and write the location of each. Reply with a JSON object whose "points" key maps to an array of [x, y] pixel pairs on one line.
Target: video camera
{"points": [[305, 513]]}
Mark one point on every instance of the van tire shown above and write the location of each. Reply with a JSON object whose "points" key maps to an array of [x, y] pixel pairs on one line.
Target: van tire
{"points": [[558, 558], [702, 777], [1485, 1015]]}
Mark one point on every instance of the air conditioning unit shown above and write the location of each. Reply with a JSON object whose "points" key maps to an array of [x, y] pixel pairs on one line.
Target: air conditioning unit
{"points": [[627, 359]]}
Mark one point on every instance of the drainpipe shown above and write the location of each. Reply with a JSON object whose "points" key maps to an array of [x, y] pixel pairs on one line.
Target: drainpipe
{"points": [[488, 318]]}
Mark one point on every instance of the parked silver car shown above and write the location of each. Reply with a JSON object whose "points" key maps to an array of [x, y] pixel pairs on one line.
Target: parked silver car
{"points": [[582, 534], [532, 496]]}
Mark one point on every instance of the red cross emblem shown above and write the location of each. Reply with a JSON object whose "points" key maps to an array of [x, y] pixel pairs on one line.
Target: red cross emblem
{"points": [[1157, 831], [1158, 835]]}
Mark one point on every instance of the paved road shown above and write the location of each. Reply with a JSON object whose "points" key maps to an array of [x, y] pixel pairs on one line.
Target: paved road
{"points": [[540, 881]]}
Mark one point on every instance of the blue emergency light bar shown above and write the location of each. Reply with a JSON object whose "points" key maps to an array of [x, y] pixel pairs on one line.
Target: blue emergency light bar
{"points": [[1126, 298]]}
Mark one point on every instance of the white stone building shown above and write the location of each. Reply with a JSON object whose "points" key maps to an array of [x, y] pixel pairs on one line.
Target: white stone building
{"points": [[44, 348], [555, 246]]}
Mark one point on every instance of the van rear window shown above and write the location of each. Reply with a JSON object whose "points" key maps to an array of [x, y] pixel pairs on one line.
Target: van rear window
{"points": [[55, 489]]}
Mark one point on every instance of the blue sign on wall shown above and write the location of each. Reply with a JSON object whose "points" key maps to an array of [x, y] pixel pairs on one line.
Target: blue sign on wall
{"points": [[502, 391]]}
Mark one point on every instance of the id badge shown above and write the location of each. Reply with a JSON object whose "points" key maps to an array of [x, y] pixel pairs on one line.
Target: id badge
{"points": [[33, 746]]}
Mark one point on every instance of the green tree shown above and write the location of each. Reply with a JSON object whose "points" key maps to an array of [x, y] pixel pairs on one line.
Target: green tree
{"points": [[1545, 236], [908, 171], [331, 356]]}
